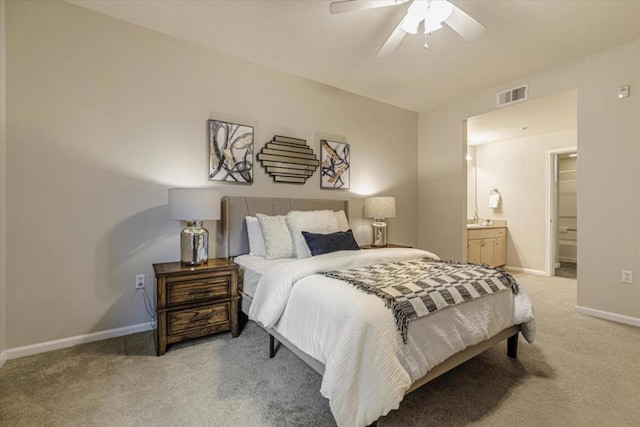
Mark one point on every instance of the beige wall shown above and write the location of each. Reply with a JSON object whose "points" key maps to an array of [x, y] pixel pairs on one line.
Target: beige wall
{"points": [[517, 168], [3, 182], [105, 116], [442, 179], [608, 179]]}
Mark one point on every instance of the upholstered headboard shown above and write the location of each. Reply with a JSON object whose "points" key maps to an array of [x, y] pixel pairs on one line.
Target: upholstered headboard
{"points": [[235, 209]]}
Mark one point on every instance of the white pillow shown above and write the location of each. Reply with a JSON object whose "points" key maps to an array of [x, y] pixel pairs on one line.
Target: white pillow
{"points": [[313, 222], [256, 241], [277, 240], [343, 223]]}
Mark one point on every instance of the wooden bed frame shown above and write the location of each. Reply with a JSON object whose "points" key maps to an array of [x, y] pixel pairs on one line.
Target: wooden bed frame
{"points": [[235, 242]]}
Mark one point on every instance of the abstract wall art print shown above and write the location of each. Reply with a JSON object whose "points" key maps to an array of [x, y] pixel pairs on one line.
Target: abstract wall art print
{"points": [[335, 160], [230, 152]]}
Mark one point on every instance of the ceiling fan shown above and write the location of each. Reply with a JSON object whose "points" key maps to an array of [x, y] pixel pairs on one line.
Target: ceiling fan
{"points": [[432, 12]]}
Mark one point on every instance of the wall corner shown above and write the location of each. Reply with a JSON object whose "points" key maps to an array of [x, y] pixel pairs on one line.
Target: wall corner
{"points": [[3, 181]]}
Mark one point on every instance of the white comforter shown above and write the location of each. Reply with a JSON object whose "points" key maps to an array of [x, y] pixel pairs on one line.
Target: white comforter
{"points": [[368, 368]]}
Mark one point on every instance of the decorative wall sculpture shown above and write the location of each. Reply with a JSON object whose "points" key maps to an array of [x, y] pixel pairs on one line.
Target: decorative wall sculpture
{"points": [[335, 165], [230, 152], [288, 159]]}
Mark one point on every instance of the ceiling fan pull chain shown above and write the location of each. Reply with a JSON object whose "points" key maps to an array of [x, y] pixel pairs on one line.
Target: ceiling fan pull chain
{"points": [[426, 46]]}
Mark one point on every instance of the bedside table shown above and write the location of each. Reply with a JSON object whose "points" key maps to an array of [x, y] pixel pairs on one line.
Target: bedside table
{"points": [[389, 245], [195, 301]]}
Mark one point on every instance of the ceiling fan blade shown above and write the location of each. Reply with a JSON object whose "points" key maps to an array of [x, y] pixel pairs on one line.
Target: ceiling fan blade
{"points": [[393, 41], [465, 25], [352, 5]]}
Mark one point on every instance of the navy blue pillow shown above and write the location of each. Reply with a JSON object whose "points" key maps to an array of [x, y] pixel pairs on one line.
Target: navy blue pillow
{"points": [[325, 243]]}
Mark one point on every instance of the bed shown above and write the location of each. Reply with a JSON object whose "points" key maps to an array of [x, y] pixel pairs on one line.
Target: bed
{"points": [[350, 337]]}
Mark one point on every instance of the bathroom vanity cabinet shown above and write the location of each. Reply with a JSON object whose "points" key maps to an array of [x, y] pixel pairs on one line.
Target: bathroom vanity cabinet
{"points": [[487, 245]]}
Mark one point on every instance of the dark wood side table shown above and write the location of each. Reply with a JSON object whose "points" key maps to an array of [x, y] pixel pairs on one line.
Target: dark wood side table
{"points": [[195, 301], [389, 245]]}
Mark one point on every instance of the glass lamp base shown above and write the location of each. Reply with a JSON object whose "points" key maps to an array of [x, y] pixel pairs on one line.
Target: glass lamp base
{"points": [[194, 244], [379, 233]]}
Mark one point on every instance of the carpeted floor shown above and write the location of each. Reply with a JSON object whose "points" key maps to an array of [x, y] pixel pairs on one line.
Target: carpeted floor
{"points": [[581, 371]]}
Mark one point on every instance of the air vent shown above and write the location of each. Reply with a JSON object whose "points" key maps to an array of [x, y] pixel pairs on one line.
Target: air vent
{"points": [[511, 96]]}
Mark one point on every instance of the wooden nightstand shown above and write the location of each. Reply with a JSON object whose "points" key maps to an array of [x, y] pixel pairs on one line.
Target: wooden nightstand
{"points": [[389, 245], [195, 301]]}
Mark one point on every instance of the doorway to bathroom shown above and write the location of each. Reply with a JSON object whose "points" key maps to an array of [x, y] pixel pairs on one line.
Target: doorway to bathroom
{"points": [[508, 179]]}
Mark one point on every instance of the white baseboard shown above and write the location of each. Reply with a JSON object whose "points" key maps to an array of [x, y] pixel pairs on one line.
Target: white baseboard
{"points": [[3, 358], [526, 270], [28, 350], [614, 317]]}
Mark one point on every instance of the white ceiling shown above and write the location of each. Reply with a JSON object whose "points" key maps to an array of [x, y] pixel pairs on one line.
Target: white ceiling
{"points": [[303, 38], [526, 119]]}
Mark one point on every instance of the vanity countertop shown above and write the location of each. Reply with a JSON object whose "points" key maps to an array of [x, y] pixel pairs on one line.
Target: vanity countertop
{"points": [[484, 227], [493, 223]]}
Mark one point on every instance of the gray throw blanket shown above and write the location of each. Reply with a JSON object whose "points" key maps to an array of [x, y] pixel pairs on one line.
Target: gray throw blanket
{"points": [[416, 288]]}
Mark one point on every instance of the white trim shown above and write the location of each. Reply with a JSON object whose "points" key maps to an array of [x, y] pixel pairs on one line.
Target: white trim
{"points": [[551, 205], [614, 317], [3, 358], [465, 170], [526, 270], [28, 350]]}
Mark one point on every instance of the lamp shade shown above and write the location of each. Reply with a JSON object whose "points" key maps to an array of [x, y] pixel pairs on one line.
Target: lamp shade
{"points": [[380, 207], [194, 204]]}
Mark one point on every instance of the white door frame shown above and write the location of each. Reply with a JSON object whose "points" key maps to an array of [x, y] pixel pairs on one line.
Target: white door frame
{"points": [[551, 198]]}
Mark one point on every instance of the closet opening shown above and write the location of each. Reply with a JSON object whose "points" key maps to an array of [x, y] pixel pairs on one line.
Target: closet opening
{"points": [[563, 212]]}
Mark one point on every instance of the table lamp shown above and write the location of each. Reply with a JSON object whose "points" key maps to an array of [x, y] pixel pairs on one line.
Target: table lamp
{"points": [[379, 208], [194, 205]]}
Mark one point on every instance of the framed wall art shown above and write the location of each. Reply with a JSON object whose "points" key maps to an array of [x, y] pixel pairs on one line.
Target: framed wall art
{"points": [[288, 159], [230, 152], [335, 158]]}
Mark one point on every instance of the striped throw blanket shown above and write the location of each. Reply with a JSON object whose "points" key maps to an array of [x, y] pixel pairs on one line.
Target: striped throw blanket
{"points": [[416, 288]]}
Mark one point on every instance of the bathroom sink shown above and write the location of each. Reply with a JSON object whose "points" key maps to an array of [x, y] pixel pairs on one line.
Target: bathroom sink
{"points": [[478, 225]]}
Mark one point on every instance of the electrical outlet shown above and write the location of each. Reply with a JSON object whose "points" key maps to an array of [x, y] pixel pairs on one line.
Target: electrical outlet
{"points": [[627, 276], [139, 281]]}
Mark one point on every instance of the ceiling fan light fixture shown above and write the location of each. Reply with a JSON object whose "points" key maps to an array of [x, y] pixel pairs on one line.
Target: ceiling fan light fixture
{"points": [[415, 15], [430, 27], [439, 10], [432, 12], [410, 24]]}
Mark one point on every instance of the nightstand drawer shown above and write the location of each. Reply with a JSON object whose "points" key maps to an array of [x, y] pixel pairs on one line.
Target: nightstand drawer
{"points": [[196, 290], [181, 321]]}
